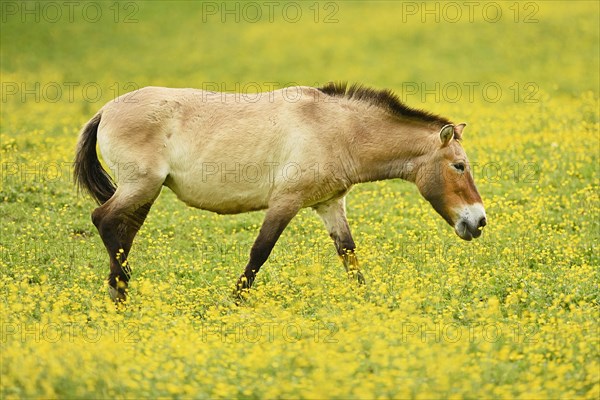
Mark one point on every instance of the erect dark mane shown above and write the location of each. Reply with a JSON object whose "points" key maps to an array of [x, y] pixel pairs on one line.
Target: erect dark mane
{"points": [[384, 99]]}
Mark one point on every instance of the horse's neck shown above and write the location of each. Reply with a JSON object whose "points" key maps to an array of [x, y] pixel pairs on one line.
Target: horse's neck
{"points": [[391, 149]]}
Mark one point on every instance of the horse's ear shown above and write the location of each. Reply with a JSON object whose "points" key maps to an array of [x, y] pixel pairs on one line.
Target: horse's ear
{"points": [[446, 134], [458, 130]]}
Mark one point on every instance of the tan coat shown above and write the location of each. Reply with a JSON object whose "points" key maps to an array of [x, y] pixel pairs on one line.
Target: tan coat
{"points": [[282, 151]]}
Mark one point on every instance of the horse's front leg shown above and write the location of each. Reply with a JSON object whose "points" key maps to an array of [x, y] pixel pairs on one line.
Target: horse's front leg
{"points": [[333, 214], [278, 216]]}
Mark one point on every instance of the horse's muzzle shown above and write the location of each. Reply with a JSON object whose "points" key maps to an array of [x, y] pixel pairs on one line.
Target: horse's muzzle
{"points": [[471, 222]]}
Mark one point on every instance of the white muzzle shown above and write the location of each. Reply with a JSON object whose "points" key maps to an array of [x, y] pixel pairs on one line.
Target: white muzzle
{"points": [[470, 222]]}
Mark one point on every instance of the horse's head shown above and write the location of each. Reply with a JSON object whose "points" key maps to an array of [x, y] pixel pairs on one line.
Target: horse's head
{"points": [[445, 180]]}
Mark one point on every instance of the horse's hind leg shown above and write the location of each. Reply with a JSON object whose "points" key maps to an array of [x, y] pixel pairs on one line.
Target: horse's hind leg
{"points": [[333, 214], [118, 221]]}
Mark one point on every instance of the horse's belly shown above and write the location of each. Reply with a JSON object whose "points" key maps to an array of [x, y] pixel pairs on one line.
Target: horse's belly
{"points": [[223, 194]]}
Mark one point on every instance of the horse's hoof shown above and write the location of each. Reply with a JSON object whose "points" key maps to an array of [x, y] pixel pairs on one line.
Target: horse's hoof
{"points": [[241, 288], [237, 292], [117, 296], [239, 295], [358, 276]]}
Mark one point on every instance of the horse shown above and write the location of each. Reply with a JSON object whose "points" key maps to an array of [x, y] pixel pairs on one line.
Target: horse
{"points": [[278, 151]]}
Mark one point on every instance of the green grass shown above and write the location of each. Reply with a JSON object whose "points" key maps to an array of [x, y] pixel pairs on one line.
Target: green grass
{"points": [[533, 275]]}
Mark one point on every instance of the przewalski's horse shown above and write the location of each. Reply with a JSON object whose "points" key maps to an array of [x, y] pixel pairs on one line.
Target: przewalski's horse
{"points": [[280, 151]]}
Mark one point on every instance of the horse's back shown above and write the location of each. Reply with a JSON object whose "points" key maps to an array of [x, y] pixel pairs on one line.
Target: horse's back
{"points": [[199, 113]]}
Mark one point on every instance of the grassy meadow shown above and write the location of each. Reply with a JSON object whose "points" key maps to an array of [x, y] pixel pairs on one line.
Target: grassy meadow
{"points": [[513, 314]]}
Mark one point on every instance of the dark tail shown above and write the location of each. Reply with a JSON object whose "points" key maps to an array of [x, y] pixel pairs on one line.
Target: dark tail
{"points": [[88, 173]]}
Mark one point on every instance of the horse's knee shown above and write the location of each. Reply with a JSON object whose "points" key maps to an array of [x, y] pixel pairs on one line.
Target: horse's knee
{"points": [[105, 220], [348, 244], [108, 226], [344, 246]]}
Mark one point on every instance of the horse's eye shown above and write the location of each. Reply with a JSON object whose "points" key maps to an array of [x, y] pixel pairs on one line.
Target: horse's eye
{"points": [[459, 166]]}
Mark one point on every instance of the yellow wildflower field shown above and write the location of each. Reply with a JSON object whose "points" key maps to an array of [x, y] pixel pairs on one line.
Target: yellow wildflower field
{"points": [[513, 314]]}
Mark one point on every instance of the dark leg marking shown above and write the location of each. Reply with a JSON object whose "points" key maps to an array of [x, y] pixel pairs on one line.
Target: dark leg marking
{"points": [[276, 219], [117, 229], [333, 214]]}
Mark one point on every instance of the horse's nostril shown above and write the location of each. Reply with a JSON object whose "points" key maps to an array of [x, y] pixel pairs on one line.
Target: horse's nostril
{"points": [[482, 222]]}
